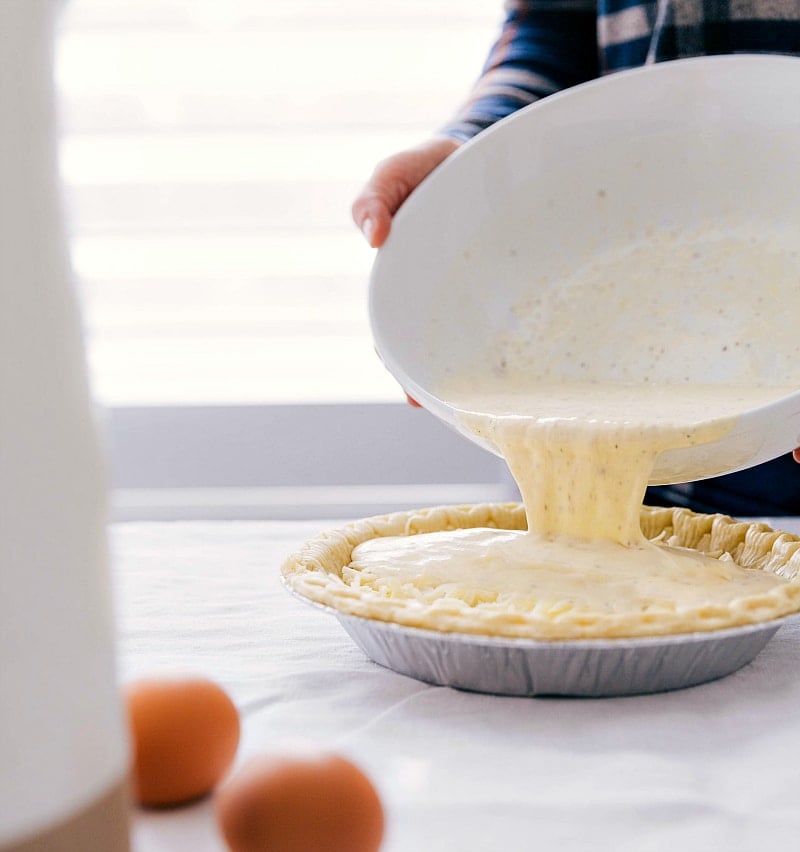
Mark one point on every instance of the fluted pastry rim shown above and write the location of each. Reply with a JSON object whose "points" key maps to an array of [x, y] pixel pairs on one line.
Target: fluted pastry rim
{"points": [[315, 572]]}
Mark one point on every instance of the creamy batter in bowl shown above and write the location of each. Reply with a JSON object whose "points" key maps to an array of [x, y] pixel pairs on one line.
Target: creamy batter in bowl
{"points": [[637, 230]]}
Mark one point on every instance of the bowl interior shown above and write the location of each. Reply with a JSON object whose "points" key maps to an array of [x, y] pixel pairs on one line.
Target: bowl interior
{"points": [[668, 164]]}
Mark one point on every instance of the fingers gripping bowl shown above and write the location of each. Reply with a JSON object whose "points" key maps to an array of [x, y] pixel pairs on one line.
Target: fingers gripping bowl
{"points": [[456, 638]]}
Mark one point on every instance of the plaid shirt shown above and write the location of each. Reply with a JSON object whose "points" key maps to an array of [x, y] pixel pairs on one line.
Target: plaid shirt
{"points": [[549, 45]]}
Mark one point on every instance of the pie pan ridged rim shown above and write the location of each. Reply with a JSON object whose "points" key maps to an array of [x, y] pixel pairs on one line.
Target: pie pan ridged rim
{"points": [[580, 668]]}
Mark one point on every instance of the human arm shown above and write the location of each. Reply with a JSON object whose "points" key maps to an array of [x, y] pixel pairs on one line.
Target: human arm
{"points": [[543, 46]]}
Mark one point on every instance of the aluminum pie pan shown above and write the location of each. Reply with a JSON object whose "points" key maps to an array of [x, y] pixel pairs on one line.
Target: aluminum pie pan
{"points": [[590, 668]]}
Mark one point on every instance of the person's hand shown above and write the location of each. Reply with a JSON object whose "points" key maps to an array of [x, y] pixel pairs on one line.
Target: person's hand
{"points": [[393, 180], [796, 455]]}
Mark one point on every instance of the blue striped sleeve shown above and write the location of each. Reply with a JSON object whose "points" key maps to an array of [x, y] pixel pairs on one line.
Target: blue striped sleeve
{"points": [[544, 46]]}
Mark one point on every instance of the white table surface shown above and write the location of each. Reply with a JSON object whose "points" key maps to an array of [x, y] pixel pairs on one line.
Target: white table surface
{"points": [[715, 767]]}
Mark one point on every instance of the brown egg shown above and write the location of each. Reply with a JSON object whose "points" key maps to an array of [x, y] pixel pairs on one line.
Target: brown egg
{"points": [[300, 804], [185, 732]]}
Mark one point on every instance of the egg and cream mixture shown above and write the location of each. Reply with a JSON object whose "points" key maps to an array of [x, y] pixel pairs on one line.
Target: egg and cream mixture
{"points": [[581, 431], [583, 566]]}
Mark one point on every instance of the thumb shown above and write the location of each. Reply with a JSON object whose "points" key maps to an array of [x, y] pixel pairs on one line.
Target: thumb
{"points": [[390, 185], [372, 215], [393, 180]]}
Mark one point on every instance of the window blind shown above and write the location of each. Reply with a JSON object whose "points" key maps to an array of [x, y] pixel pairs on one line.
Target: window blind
{"points": [[210, 152]]}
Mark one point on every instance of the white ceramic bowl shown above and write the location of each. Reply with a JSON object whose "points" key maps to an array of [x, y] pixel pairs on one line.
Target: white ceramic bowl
{"points": [[681, 148]]}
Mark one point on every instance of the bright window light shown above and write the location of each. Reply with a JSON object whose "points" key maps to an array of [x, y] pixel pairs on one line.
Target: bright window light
{"points": [[210, 154]]}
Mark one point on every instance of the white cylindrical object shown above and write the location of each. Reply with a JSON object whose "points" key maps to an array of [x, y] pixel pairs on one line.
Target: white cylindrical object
{"points": [[63, 749]]}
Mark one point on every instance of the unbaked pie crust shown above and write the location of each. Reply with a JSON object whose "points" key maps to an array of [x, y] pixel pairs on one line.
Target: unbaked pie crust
{"points": [[318, 572]]}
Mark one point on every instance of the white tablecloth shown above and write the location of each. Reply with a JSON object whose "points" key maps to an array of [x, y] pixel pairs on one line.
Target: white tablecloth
{"points": [[715, 767]]}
